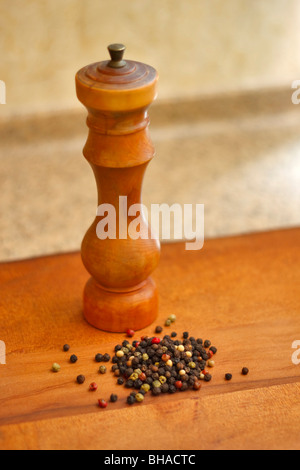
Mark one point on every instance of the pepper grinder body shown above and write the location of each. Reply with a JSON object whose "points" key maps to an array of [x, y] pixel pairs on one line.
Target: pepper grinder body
{"points": [[120, 293]]}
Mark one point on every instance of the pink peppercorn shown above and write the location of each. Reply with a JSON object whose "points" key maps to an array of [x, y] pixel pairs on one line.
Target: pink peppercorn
{"points": [[142, 377], [197, 385], [165, 357], [93, 387], [102, 403], [155, 341], [130, 332], [178, 384]]}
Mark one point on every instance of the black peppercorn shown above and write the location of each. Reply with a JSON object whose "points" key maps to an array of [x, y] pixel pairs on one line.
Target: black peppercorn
{"points": [[158, 329], [66, 348], [207, 344], [120, 381], [245, 371], [73, 359], [80, 379], [207, 378], [228, 377], [113, 398], [213, 350], [185, 335], [184, 386], [129, 383], [131, 400], [173, 334], [137, 384], [106, 357], [99, 358]]}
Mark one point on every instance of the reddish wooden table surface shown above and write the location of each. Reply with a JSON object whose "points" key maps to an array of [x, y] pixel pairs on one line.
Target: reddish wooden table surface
{"points": [[243, 293]]}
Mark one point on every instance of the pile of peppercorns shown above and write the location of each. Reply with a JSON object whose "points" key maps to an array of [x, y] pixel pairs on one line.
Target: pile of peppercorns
{"points": [[158, 365], [162, 365]]}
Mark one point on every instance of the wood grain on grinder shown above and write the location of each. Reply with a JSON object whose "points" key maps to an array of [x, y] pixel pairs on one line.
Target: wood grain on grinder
{"points": [[242, 293]]}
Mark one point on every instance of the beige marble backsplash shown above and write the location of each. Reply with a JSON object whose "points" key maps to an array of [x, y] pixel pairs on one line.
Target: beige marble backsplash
{"points": [[226, 132], [198, 46], [239, 155]]}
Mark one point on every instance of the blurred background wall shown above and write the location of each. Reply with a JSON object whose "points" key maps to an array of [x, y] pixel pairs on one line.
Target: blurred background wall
{"points": [[225, 129], [198, 46]]}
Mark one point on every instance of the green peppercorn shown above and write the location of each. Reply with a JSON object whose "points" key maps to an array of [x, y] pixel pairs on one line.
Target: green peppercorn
{"points": [[192, 365], [168, 322], [145, 387], [156, 384], [102, 370], [162, 379], [145, 357], [134, 376], [56, 367], [139, 397]]}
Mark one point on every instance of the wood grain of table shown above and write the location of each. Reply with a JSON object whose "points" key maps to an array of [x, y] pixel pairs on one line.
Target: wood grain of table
{"points": [[242, 293]]}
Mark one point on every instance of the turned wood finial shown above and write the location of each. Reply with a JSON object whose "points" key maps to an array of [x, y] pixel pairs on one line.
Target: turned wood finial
{"points": [[117, 93]]}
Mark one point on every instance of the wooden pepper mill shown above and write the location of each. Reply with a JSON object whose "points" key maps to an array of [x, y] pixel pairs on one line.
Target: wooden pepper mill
{"points": [[117, 93]]}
